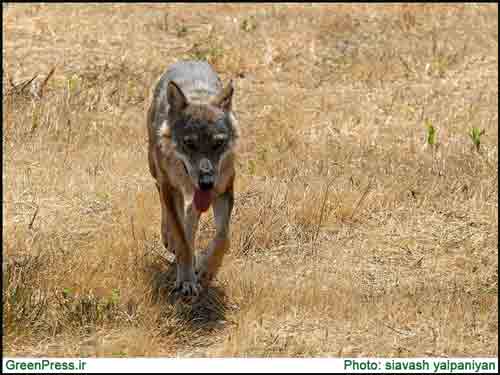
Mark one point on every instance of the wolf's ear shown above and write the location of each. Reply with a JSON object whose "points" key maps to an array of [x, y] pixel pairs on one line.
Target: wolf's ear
{"points": [[176, 98], [224, 99]]}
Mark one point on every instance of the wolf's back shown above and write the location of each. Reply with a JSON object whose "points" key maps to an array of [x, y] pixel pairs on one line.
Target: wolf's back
{"points": [[196, 79]]}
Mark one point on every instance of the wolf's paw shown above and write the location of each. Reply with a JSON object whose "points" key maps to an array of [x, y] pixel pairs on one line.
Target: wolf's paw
{"points": [[201, 271], [188, 291], [204, 277]]}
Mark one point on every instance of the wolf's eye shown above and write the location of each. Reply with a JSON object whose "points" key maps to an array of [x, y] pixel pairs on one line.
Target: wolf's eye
{"points": [[190, 144], [218, 143]]}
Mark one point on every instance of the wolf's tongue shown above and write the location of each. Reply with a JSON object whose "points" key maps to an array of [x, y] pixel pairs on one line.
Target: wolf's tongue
{"points": [[202, 199]]}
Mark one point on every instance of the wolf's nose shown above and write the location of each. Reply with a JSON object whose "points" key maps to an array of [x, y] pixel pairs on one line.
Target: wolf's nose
{"points": [[206, 181]]}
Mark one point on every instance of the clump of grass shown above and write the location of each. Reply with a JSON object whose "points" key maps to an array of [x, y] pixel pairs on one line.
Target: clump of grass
{"points": [[36, 117], [431, 136], [74, 83], [475, 135], [89, 308], [209, 50], [25, 302], [442, 59], [249, 24], [182, 31]]}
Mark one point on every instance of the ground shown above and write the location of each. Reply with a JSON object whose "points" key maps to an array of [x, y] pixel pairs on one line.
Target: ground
{"points": [[365, 220]]}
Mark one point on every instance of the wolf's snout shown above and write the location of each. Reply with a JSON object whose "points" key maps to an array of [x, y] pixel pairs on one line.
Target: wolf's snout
{"points": [[206, 181], [207, 177]]}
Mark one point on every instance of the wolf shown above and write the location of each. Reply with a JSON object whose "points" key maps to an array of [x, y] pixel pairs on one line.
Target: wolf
{"points": [[192, 138]]}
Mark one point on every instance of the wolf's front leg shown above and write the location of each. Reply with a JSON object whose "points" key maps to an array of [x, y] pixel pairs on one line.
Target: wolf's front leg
{"points": [[209, 262], [186, 284], [191, 221]]}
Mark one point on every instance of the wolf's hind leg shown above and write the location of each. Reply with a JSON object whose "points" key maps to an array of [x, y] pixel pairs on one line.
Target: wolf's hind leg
{"points": [[165, 235]]}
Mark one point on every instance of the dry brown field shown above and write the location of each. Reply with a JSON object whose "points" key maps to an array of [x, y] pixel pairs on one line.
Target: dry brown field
{"points": [[355, 232]]}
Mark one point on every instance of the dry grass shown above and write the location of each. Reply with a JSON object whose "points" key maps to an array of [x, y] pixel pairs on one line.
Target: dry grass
{"points": [[351, 236]]}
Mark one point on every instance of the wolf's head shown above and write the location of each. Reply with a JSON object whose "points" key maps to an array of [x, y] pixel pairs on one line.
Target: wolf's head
{"points": [[203, 135]]}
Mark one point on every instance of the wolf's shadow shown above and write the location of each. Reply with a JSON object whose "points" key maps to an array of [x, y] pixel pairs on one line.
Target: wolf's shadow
{"points": [[207, 312]]}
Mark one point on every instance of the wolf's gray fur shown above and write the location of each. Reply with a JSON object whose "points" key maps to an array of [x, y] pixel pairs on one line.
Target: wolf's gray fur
{"points": [[192, 135]]}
